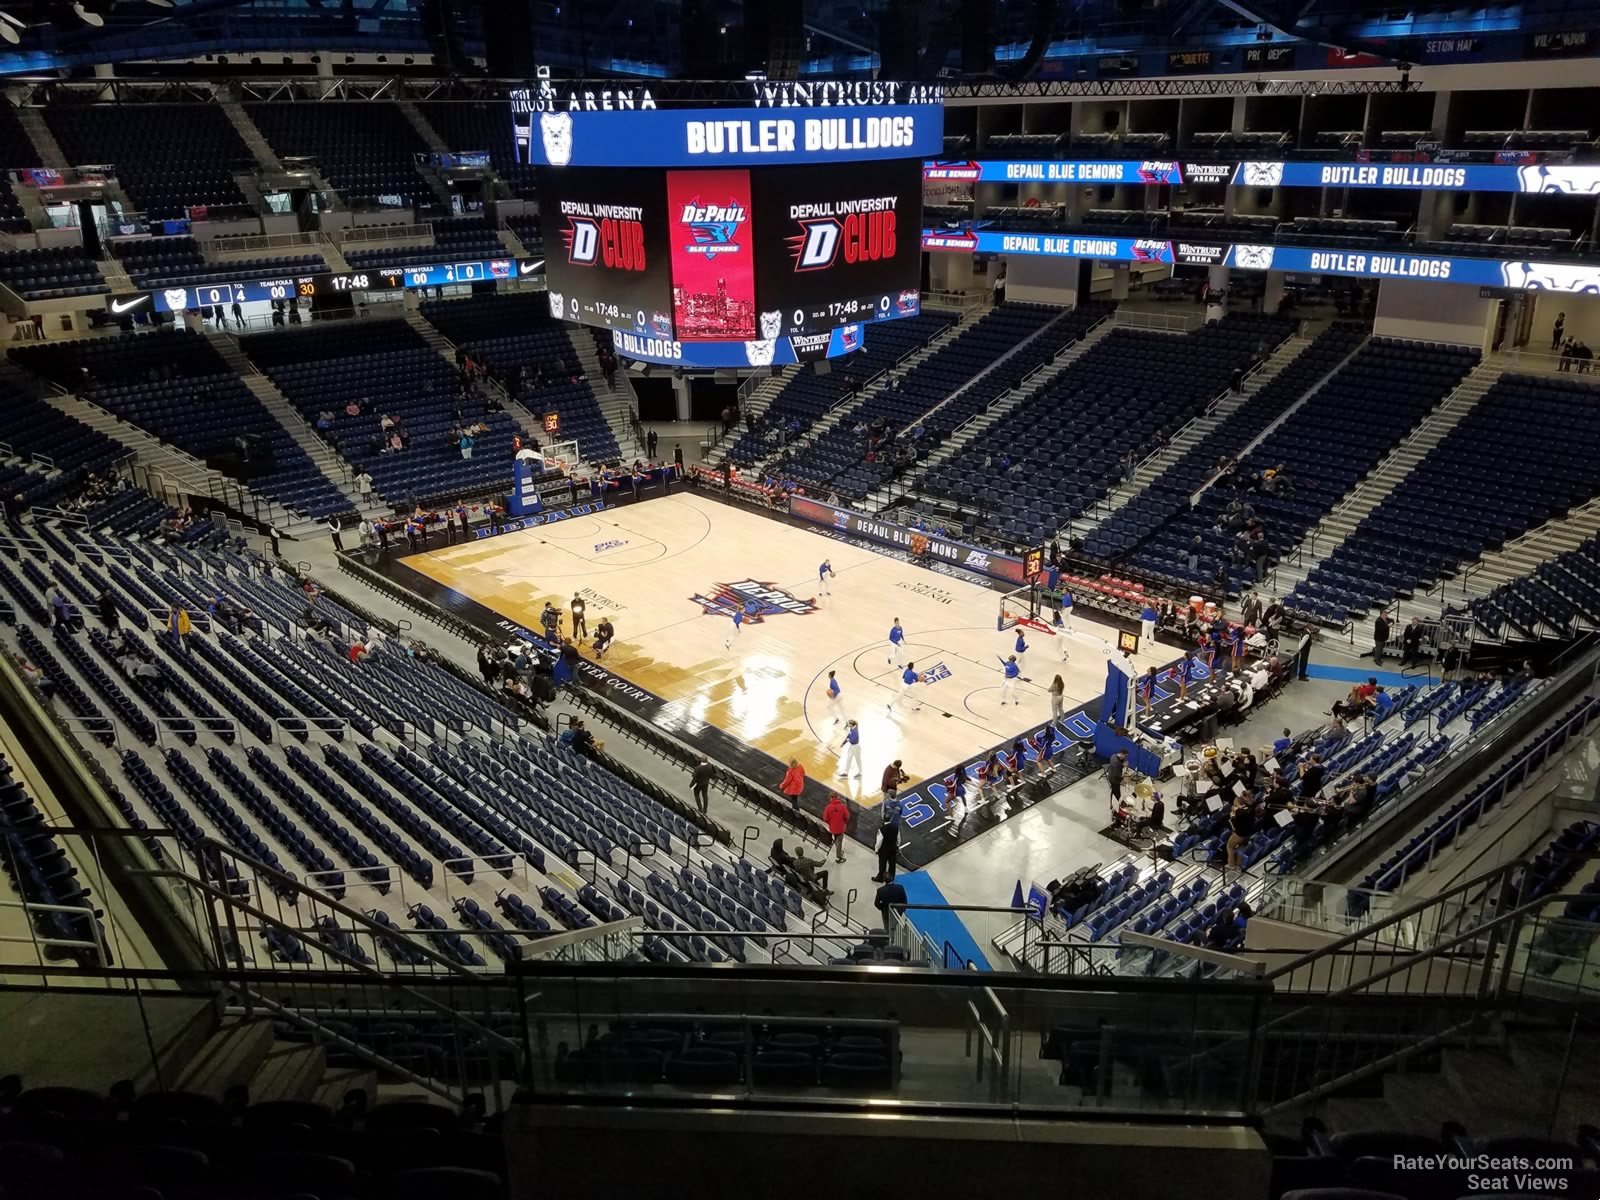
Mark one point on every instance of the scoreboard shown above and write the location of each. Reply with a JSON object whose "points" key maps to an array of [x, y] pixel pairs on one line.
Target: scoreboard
{"points": [[793, 210], [735, 254], [181, 297]]}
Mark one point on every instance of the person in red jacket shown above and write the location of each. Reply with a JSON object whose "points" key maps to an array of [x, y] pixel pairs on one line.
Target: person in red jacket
{"points": [[836, 813], [794, 782]]}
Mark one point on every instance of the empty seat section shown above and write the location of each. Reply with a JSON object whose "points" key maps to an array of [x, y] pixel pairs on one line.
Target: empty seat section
{"points": [[170, 158], [366, 151], [533, 357], [387, 369], [174, 384], [1492, 478]]}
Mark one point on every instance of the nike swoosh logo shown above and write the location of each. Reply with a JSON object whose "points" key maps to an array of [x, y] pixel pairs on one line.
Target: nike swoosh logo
{"points": [[530, 268], [122, 306]]}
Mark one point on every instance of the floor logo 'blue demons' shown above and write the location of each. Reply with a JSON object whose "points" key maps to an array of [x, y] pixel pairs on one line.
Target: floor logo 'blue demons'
{"points": [[758, 599]]}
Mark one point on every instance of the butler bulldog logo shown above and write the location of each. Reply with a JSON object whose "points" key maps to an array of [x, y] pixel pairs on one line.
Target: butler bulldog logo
{"points": [[771, 325], [1254, 258], [757, 598], [759, 354], [177, 298], [558, 304], [556, 130], [1263, 174]]}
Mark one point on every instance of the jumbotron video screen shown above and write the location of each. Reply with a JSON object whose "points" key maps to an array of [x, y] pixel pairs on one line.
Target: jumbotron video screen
{"points": [[784, 211], [839, 244]]}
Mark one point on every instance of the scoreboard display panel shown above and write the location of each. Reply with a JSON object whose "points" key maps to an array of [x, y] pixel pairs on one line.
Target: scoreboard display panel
{"points": [[607, 261], [837, 245], [184, 297]]}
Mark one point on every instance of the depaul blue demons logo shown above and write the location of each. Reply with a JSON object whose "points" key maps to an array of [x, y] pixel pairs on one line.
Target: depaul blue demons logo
{"points": [[714, 227], [758, 600]]}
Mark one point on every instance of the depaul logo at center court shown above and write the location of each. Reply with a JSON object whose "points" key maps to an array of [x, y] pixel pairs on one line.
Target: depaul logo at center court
{"points": [[758, 599]]}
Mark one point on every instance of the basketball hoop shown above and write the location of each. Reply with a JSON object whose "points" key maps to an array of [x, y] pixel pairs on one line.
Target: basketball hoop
{"points": [[561, 456]]}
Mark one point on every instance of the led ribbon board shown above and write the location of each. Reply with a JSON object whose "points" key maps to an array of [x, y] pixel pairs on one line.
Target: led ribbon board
{"points": [[1364, 264], [1564, 179], [762, 352]]}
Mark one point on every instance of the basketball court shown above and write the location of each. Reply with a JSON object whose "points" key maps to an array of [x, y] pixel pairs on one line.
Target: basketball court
{"points": [[669, 572]]}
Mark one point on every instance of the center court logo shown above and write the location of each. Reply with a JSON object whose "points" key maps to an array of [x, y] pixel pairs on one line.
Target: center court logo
{"points": [[757, 598], [613, 544]]}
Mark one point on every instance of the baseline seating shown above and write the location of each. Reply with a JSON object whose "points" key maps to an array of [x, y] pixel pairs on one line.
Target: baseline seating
{"points": [[454, 238], [388, 369], [533, 357], [156, 262], [1491, 478], [806, 396], [174, 384], [1326, 447], [1131, 390], [51, 273], [955, 365]]}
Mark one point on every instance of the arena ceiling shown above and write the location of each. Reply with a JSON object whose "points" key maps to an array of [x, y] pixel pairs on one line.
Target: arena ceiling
{"points": [[952, 39]]}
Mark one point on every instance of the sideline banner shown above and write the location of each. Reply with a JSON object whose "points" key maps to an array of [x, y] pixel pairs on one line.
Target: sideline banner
{"points": [[923, 545]]}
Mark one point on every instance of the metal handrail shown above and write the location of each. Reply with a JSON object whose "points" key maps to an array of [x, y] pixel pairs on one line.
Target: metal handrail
{"points": [[1495, 876]]}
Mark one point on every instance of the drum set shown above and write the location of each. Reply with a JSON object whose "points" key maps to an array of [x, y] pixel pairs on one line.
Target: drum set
{"points": [[1136, 821]]}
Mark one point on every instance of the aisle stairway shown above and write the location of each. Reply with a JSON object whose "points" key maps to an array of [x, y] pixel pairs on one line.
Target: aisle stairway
{"points": [[1330, 532], [44, 141], [266, 157], [618, 403], [334, 469], [975, 428], [1186, 438], [526, 421]]}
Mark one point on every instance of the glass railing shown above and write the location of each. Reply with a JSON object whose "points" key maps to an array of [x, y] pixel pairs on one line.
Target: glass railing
{"points": [[890, 1035]]}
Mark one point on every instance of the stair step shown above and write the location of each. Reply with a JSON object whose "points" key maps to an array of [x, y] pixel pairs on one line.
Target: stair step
{"points": [[334, 1085], [289, 1072], [230, 1057]]}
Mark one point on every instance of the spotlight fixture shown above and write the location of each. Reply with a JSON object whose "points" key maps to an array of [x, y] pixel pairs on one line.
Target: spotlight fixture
{"points": [[9, 32], [87, 15]]}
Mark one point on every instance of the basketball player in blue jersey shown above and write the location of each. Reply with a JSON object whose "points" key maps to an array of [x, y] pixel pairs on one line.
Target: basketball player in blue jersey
{"points": [[1021, 647], [896, 637], [908, 682], [738, 623], [1008, 679], [824, 573], [834, 706], [850, 749]]}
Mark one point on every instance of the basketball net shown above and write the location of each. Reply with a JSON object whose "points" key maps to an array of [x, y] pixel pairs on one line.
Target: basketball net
{"points": [[561, 456]]}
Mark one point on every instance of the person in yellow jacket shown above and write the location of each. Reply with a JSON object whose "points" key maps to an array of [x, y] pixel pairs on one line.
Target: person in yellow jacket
{"points": [[179, 625]]}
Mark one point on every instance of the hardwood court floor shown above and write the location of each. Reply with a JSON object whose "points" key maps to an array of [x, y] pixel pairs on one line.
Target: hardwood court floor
{"points": [[646, 564]]}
